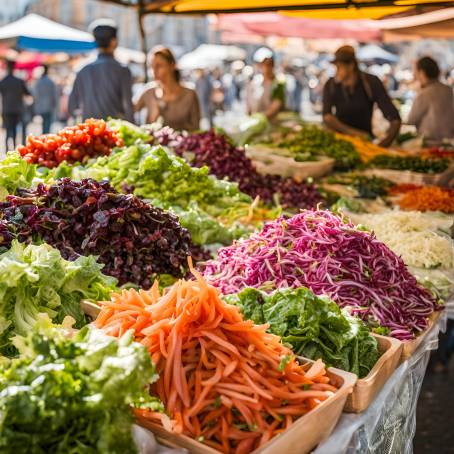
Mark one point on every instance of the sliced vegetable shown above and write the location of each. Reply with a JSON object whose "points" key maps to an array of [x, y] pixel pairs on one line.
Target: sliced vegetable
{"points": [[224, 381], [329, 255]]}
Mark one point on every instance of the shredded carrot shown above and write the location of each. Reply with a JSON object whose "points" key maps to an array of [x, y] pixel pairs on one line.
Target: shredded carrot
{"points": [[219, 375], [429, 198]]}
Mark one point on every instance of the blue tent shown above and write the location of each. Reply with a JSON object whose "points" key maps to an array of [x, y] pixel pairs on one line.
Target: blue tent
{"points": [[39, 34]]}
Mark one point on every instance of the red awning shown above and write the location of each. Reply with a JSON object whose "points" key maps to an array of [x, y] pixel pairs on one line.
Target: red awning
{"points": [[273, 24]]}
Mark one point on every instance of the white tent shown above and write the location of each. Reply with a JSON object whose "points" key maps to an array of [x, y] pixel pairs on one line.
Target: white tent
{"points": [[372, 52], [37, 33], [210, 55]]}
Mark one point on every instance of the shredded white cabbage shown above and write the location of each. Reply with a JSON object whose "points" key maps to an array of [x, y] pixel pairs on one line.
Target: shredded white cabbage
{"points": [[421, 239]]}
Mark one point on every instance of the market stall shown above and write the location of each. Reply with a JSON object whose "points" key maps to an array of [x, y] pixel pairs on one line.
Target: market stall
{"points": [[275, 289], [292, 325]]}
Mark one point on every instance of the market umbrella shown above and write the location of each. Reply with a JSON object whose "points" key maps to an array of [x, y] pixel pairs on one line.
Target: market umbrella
{"points": [[211, 55], [37, 33]]}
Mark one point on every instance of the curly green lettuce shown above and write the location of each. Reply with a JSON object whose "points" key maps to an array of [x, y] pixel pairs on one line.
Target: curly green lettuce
{"points": [[36, 279], [314, 326], [72, 393]]}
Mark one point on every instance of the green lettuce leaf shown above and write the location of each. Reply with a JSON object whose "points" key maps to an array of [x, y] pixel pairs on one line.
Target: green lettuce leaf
{"points": [[313, 325], [35, 279], [70, 393]]}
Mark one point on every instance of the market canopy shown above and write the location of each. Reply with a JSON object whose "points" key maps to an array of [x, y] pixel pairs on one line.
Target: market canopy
{"points": [[341, 9], [37, 33], [433, 24], [273, 24]]}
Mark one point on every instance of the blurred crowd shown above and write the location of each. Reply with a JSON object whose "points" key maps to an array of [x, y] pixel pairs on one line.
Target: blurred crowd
{"points": [[337, 90]]}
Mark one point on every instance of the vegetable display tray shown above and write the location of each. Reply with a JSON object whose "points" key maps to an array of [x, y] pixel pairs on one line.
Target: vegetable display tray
{"points": [[368, 387], [410, 347], [268, 162], [302, 436], [445, 178]]}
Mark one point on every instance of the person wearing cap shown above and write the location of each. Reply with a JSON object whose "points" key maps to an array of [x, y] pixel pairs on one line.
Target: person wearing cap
{"points": [[266, 93], [349, 99], [103, 88], [432, 111]]}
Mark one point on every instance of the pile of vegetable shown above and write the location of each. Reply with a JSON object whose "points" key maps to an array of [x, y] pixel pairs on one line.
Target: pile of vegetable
{"points": [[72, 144], [366, 187], [330, 256], [402, 188], [72, 393], [134, 240], [314, 326], [223, 380], [422, 240], [428, 198], [227, 161], [368, 150], [309, 141], [130, 133], [439, 152], [15, 173], [213, 210], [36, 279], [411, 163]]}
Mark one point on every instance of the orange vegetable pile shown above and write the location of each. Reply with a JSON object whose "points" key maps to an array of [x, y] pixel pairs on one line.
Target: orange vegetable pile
{"points": [[222, 379], [429, 198]]}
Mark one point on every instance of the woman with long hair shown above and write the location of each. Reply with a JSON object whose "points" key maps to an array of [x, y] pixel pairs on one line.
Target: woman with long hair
{"points": [[166, 98]]}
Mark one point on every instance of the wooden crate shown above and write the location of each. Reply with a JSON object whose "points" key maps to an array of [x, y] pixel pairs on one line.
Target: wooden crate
{"points": [[368, 387], [302, 436], [409, 347]]}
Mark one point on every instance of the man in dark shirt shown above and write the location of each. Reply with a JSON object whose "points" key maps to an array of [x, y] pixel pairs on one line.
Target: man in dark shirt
{"points": [[103, 88], [13, 91], [349, 99]]}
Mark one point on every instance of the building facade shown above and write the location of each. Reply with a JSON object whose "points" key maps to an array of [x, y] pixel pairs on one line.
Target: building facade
{"points": [[11, 10], [181, 34]]}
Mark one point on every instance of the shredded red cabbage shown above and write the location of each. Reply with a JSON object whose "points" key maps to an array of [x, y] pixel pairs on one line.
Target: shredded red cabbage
{"points": [[327, 254]]}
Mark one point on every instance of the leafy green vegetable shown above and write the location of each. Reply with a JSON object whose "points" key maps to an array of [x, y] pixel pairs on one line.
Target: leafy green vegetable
{"points": [[313, 325], [367, 187], [309, 141], [169, 182], [252, 126], [36, 279], [15, 173], [412, 163], [130, 133], [71, 394]]}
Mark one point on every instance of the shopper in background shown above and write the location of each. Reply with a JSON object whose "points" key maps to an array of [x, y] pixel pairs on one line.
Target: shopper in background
{"points": [[266, 92], [167, 99], [349, 99], [103, 88], [433, 108], [13, 91], [204, 89], [45, 96]]}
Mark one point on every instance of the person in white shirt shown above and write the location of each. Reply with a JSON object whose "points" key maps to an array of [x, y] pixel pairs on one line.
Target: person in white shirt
{"points": [[433, 108]]}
